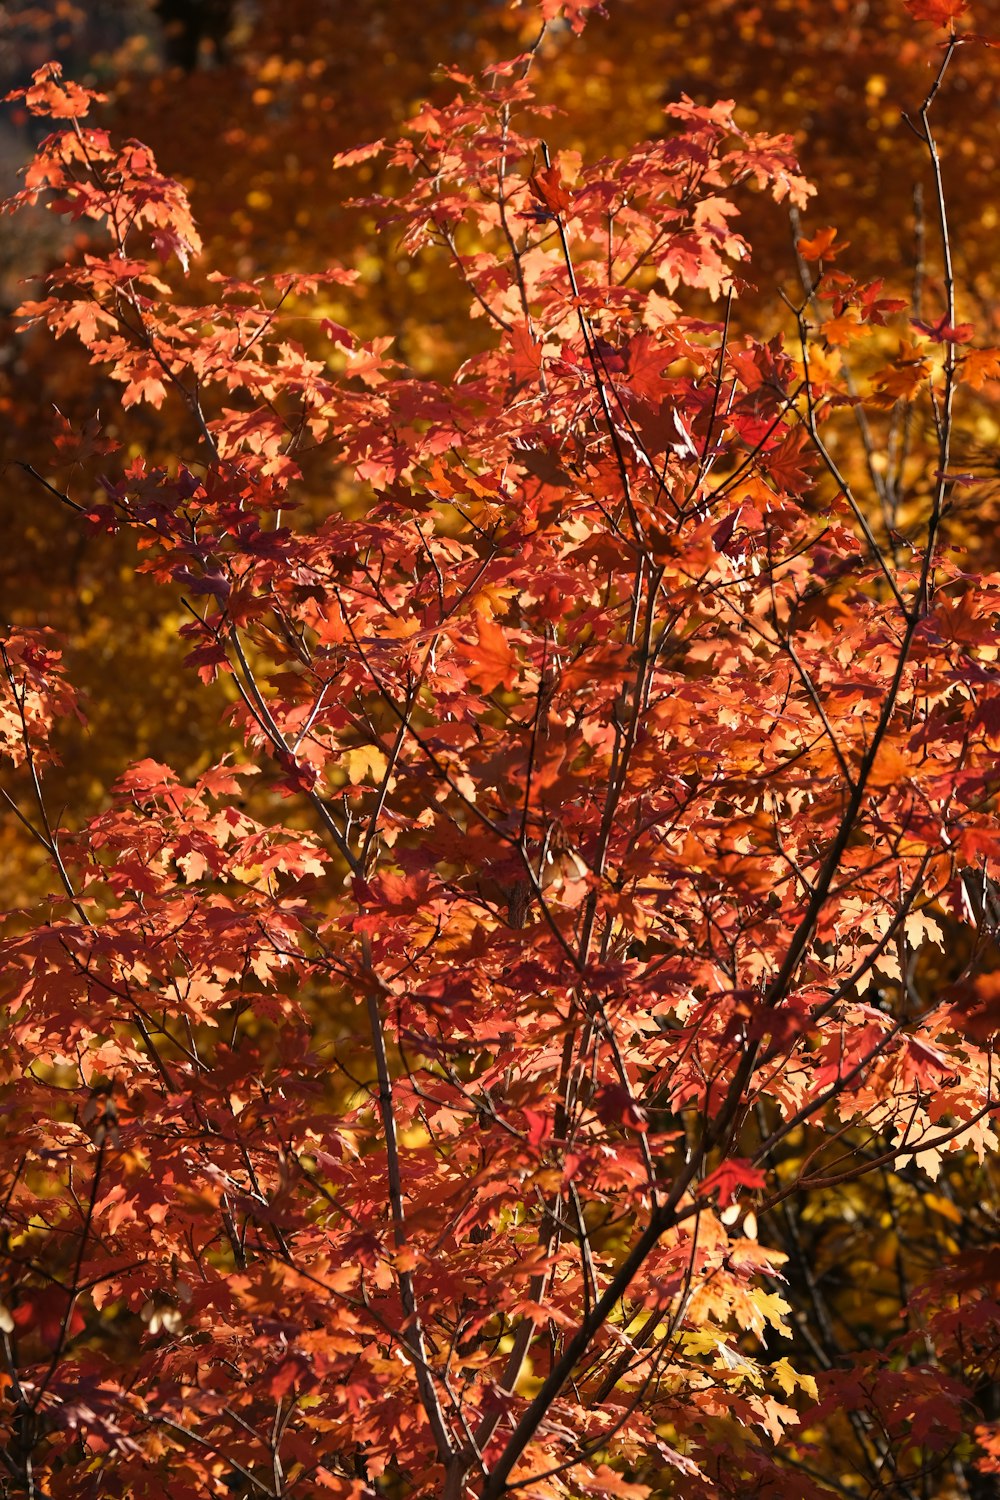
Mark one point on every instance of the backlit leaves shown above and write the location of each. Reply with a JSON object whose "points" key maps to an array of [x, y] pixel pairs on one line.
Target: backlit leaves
{"points": [[618, 772]]}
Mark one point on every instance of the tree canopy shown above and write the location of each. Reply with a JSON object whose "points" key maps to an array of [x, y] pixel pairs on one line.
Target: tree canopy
{"points": [[499, 710]]}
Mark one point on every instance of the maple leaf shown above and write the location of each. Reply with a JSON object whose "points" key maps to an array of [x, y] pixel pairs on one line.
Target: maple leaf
{"points": [[365, 761], [938, 12], [922, 1063], [902, 380], [194, 864], [215, 583], [978, 366], [821, 246], [491, 661], [143, 382], [731, 1175], [840, 330], [874, 308], [358, 154], [606, 1481], [942, 333], [646, 359], [539, 1128], [789, 462], [789, 1379], [526, 354], [548, 189], [576, 12], [48, 96], [614, 1104]]}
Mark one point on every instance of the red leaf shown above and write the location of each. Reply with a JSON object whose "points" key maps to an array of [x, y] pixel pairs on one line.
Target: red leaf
{"points": [[614, 1105], [942, 333], [547, 187], [729, 1177], [526, 354], [539, 1128], [492, 663], [938, 12]]}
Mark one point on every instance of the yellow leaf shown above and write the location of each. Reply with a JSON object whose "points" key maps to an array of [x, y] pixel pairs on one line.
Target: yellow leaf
{"points": [[919, 926], [493, 599], [789, 1378], [700, 1340], [943, 1206], [362, 761]]}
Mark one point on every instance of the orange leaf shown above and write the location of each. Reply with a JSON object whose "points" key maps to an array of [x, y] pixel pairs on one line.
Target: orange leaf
{"points": [[492, 663], [979, 366], [904, 378], [820, 247]]}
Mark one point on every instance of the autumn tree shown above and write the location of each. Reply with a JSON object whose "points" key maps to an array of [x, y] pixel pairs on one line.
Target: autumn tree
{"points": [[454, 1114], [282, 85]]}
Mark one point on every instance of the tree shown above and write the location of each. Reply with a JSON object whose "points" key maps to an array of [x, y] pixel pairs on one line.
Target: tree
{"points": [[634, 761]]}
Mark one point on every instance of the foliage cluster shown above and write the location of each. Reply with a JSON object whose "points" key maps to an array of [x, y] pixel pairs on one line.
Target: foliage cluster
{"points": [[554, 1054]]}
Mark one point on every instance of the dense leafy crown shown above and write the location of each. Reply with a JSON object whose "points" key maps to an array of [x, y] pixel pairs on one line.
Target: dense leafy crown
{"points": [[416, 1125]]}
